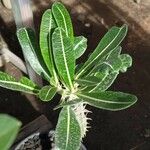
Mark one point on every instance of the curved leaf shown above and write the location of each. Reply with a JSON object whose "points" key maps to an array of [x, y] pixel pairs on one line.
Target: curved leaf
{"points": [[80, 45], [109, 42], [63, 19], [46, 29], [25, 85], [108, 100], [68, 134], [126, 62], [47, 93], [64, 56], [30, 49], [9, 127]]}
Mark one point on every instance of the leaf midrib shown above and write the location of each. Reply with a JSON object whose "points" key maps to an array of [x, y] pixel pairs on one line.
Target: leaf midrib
{"points": [[65, 61]]}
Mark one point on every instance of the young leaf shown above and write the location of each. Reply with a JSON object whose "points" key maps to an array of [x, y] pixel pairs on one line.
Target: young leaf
{"points": [[68, 134], [108, 100], [25, 85], [109, 42], [30, 49], [9, 127], [80, 45], [63, 19], [47, 93], [64, 56], [46, 29], [126, 62]]}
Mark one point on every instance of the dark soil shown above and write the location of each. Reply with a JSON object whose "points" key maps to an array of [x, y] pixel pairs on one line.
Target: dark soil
{"points": [[124, 130]]}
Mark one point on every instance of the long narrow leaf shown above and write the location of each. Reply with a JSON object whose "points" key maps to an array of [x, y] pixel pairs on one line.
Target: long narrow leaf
{"points": [[109, 42], [47, 27], [108, 100], [24, 85], [64, 56], [47, 93], [30, 49], [9, 127], [80, 45], [63, 19], [68, 134]]}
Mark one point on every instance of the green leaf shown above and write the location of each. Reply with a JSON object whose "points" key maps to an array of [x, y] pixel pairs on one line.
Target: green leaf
{"points": [[126, 62], [47, 93], [67, 103], [46, 29], [9, 127], [105, 82], [109, 42], [25, 85], [64, 56], [68, 134], [80, 45], [63, 19], [113, 59], [31, 51], [108, 100], [88, 81]]}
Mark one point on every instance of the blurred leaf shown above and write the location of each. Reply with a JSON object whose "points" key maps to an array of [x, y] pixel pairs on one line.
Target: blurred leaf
{"points": [[9, 127], [126, 62]]}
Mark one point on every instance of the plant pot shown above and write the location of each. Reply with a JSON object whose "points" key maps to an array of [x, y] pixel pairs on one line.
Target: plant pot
{"points": [[38, 141], [37, 135]]}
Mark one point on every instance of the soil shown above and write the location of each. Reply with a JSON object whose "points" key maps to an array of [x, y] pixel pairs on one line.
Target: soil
{"points": [[124, 130]]}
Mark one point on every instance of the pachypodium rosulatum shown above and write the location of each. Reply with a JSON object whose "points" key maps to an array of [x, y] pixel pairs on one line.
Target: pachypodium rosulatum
{"points": [[54, 58]]}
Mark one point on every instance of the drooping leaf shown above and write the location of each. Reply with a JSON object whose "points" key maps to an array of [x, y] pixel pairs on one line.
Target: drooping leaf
{"points": [[126, 62], [47, 27], [47, 93], [80, 45], [108, 100], [63, 19], [30, 49], [64, 56], [68, 134], [24, 85], [9, 127], [109, 42]]}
